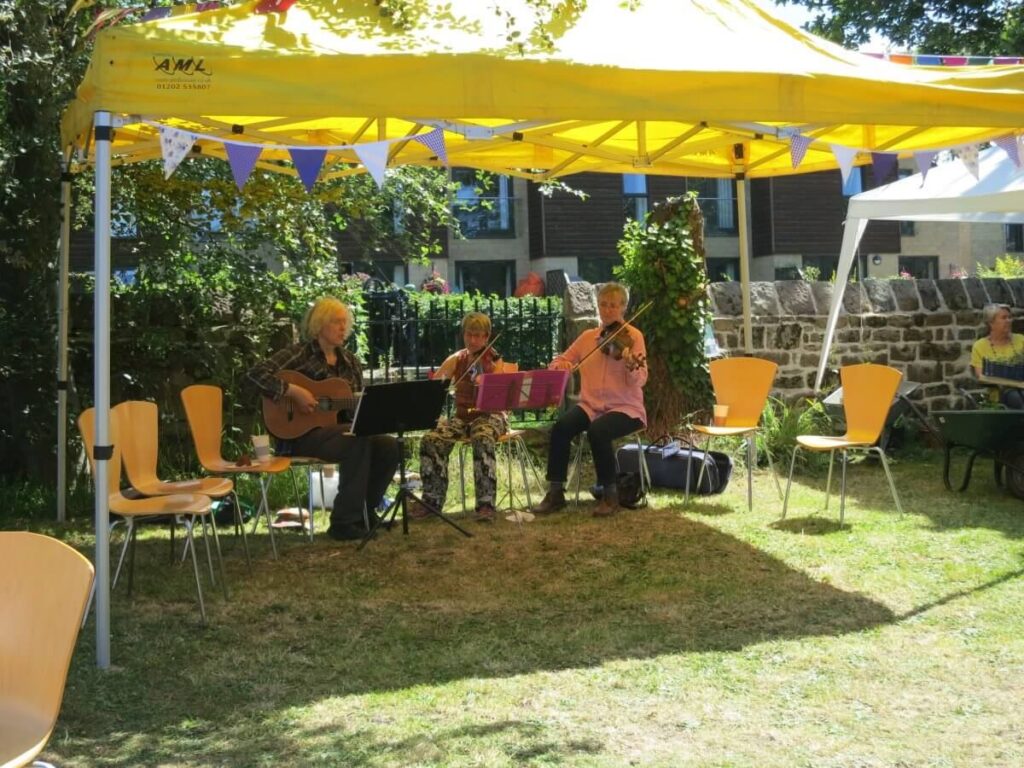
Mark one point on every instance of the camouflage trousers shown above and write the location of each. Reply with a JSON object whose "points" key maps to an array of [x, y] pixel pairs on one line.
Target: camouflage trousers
{"points": [[437, 445]]}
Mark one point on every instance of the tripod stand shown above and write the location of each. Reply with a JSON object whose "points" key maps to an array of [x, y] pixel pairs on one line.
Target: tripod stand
{"points": [[395, 409]]}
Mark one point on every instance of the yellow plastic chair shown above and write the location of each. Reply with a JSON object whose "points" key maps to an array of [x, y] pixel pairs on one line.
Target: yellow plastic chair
{"points": [[204, 411], [868, 392], [140, 443], [743, 384], [183, 507], [44, 585]]}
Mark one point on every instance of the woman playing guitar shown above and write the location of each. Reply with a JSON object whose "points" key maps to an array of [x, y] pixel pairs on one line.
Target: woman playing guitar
{"points": [[611, 400], [367, 463], [483, 429]]}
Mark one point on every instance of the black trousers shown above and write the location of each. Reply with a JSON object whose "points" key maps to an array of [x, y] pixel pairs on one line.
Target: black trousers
{"points": [[601, 432], [368, 465]]}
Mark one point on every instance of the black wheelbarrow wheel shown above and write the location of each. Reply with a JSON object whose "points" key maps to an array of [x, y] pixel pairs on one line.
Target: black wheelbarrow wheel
{"points": [[1014, 473]]}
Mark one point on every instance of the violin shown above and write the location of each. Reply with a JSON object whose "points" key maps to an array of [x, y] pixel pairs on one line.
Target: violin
{"points": [[615, 339]]}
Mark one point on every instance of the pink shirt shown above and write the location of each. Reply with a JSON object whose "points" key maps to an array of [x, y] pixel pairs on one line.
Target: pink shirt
{"points": [[605, 384]]}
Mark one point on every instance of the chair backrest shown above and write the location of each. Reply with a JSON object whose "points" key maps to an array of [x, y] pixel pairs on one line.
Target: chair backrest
{"points": [[203, 404], [137, 427], [742, 383], [87, 428], [868, 391], [44, 585]]}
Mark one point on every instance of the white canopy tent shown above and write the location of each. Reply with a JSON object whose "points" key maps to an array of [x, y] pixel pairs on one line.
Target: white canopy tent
{"points": [[949, 192]]}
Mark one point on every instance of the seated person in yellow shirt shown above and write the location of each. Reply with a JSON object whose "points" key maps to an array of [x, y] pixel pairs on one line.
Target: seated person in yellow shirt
{"points": [[1001, 346]]}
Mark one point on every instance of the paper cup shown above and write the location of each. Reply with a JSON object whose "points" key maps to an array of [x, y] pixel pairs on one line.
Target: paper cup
{"points": [[261, 447], [721, 414]]}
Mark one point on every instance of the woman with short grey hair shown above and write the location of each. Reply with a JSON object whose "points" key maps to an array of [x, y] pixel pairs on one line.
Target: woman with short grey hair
{"points": [[1000, 345]]}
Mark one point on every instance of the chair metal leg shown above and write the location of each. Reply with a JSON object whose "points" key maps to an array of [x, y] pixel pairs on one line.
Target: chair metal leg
{"points": [[195, 569], [842, 488], [266, 513], [828, 482], [789, 482], [576, 471], [689, 473], [771, 466], [206, 544], [750, 473], [700, 475], [240, 526], [888, 476], [220, 556], [129, 526]]}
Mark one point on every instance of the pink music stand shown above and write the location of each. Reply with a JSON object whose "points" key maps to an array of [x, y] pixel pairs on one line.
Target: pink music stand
{"points": [[522, 390]]}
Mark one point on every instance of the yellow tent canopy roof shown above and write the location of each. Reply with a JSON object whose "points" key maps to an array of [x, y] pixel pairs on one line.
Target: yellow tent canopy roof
{"points": [[681, 87]]}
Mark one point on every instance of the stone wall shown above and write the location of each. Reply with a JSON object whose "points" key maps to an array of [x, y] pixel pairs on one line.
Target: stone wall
{"points": [[925, 328]]}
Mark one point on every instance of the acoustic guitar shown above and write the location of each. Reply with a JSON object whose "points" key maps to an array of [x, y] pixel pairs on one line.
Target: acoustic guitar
{"points": [[332, 395]]}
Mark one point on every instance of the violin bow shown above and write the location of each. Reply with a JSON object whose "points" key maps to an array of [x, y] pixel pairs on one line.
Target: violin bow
{"points": [[479, 354], [643, 308]]}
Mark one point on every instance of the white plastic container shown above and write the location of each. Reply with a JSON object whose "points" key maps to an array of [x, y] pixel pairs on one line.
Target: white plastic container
{"points": [[330, 487]]}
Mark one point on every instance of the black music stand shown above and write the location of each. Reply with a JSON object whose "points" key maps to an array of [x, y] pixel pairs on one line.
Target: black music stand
{"points": [[394, 409]]}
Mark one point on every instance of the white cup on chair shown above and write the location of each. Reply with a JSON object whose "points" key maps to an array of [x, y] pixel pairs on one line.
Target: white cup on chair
{"points": [[261, 447]]}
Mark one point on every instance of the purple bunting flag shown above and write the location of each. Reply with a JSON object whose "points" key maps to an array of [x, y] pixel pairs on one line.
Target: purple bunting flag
{"points": [[1009, 145], [924, 163], [242, 158], [308, 163], [434, 141], [883, 165], [798, 148]]}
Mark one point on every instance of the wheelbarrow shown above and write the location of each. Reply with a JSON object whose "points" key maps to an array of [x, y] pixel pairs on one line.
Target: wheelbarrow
{"points": [[995, 434]]}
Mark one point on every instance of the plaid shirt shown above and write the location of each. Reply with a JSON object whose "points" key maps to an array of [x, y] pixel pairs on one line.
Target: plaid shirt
{"points": [[309, 360]]}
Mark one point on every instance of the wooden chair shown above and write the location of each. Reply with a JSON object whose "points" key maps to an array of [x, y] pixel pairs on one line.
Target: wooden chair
{"points": [[44, 585], [204, 410], [868, 392], [140, 445], [183, 507], [743, 384]]}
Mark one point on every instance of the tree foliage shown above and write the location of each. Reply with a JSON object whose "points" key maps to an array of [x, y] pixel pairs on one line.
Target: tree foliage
{"points": [[663, 262], [981, 27]]}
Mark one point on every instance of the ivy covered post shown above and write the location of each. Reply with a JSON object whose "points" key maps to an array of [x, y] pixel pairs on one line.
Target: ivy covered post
{"points": [[664, 262]]}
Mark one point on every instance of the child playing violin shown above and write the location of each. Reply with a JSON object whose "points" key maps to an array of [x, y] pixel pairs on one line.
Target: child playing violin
{"points": [[482, 428], [611, 403]]}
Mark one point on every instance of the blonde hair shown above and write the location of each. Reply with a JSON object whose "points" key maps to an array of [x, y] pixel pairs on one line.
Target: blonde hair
{"points": [[616, 288], [321, 313], [478, 322]]}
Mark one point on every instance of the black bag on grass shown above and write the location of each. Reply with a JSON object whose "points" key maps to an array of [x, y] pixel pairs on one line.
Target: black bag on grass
{"points": [[670, 471]]}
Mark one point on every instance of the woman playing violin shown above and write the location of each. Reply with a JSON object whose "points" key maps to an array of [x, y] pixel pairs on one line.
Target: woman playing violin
{"points": [[611, 403], [483, 429]]}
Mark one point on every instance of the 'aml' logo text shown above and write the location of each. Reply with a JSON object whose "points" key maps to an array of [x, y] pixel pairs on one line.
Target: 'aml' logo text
{"points": [[169, 65]]}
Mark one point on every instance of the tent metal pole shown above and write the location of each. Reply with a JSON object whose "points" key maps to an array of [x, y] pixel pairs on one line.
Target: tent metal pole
{"points": [[741, 203], [101, 379], [62, 341]]}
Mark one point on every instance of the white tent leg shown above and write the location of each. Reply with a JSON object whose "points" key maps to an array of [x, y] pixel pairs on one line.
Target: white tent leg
{"points": [[101, 379], [62, 343], [741, 204], [851, 238]]}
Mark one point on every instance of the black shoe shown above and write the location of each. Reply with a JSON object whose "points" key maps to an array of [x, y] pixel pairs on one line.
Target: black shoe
{"points": [[346, 531], [552, 502]]}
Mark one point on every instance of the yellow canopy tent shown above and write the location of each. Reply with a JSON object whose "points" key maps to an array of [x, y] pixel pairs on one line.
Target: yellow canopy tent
{"points": [[713, 88]]}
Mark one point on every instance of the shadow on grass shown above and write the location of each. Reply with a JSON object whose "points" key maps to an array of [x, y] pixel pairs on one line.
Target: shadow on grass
{"points": [[326, 622], [810, 526]]}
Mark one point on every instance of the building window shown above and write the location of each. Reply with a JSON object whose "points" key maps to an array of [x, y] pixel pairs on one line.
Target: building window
{"points": [[634, 196], [723, 270], [1015, 237], [483, 204], [486, 277], [717, 200], [599, 270], [919, 267]]}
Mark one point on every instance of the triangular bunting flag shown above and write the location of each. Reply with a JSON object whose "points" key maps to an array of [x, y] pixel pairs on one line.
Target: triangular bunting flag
{"points": [[844, 156], [924, 163], [969, 157], [798, 148], [374, 157], [434, 141], [883, 165], [1009, 145], [307, 163], [242, 158], [174, 145]]}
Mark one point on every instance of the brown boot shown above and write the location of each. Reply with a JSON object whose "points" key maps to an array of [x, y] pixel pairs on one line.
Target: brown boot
{"points": [[606, 507], [552, 502]]}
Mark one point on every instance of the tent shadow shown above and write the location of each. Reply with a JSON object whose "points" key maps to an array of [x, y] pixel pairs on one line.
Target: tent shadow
{"points": [[810, 526]]}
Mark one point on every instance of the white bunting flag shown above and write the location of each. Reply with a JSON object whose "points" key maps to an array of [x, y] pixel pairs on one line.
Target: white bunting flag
{"points": [[924, 163], [434, 141], [174, 145], [969, 157], [798, 148], [844, 156], [1010, 146], [374, 157]]}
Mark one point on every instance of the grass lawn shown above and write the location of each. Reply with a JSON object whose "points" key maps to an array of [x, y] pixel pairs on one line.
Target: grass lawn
{"points": [[672, 636]]}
